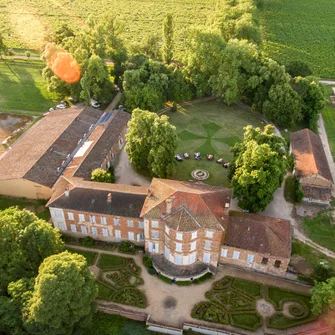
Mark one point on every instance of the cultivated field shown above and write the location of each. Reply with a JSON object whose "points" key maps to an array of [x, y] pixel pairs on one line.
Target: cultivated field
{"points": [[30, 20], [209, 128], [301, 30]]}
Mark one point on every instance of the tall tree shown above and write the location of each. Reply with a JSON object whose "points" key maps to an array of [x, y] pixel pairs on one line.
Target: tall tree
{"points": [[323, 297], [62, 297], [168, 42], [25, 241], [151, 143], [102, 176], [258, 167], [3, 46]]}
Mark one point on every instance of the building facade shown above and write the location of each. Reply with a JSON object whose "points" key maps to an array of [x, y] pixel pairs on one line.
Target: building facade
{"points": [[311, 167], [182, 225]]}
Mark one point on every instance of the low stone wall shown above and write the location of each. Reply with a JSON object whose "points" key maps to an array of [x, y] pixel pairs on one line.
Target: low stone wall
{"points": [[156, 327], [127, 314], [207, 330]]}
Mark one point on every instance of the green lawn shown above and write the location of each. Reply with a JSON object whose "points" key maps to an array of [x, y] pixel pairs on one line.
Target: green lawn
{"points": [[36, 206], [289, 189], [111, 261], [328, 114], [300, 30], [321, 229], [89, 255], [209, 128], [23, 88]]}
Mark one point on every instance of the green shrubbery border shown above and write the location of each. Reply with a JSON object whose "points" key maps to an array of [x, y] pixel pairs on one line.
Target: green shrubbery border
{"points": [[293, 322], [243, 326]]}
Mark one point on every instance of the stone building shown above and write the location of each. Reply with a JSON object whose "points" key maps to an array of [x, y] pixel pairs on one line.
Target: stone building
{"points": [[311, 167], [186, 227], [72, 142]]}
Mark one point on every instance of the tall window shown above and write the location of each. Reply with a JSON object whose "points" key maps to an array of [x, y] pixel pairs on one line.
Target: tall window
{"points": [[179, 247], [105, 232], [193, 245], [194, 235], [130, 236], [70, 216], [209, 234], [155, 235], [116, 222], [265, 261], [94, 231], [92, 218], [250, 258], [103, 220], [179, 236], [83, 229], [81, 217], [166, 240], [140, 224], [236, 255], [277, 264], [130, 223], [208, 245], [224, 252], [167, 230], [73, 228], [154, 224], [117, 234]]}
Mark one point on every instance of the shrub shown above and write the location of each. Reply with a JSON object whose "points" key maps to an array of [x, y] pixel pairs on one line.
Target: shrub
{"points": [[298, 193], [183, 283], [88, 241], [167, 280], [27, 54], [127, 247], [174, 107], [322, 272], [147, 261], [151, 271], [202, 279]]}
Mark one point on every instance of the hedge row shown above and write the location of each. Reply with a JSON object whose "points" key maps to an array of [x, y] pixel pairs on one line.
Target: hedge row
{"points": [[250, 321], [280, 321]]}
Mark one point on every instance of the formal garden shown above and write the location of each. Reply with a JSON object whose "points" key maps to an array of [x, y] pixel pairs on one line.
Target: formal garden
{"points": [[237, 302], [117, 278], [210, 128]]}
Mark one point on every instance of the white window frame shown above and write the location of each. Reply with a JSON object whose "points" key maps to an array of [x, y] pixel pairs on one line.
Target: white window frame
{"points": [[155, 234], [116, 222], [73, 228], [209, 234], [194, 235], [154, 224], [193, 258], [94, 231], [70, 216], [117, 233], [193, 246], [224, 252], [92, 218], [81, 217], [83, 229], [208, 245], [179, 236], [130, 223], [167, 229], [250, 258], [131, 236], [141, 224], [179, 247], [166, 240], [103, 220], [236, 254], [140, 237], [105, 232], [178, 259]]}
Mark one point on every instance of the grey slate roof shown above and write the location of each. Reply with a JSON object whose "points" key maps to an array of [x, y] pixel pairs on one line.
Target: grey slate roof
{"points": [[95, 201]]}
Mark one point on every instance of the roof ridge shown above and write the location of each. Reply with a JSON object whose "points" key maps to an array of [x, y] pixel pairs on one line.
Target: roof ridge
{"points": [[312, 148], [186, 210], [269, 228]]}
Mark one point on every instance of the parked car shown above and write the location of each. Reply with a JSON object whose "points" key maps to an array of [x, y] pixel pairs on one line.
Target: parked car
{"points": [[51, 109], [95, 103], [61, 106], [73, 100]]}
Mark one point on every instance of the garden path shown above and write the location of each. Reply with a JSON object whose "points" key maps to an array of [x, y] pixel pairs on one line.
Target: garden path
{"points": [[185, 297]]}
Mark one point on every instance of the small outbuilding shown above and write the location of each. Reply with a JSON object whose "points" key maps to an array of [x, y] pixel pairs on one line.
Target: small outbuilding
{"points": [[311, 167]]}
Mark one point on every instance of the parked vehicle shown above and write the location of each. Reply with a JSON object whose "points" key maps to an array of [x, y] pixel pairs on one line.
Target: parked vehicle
{"points": [[61, 106], [95, 103]]}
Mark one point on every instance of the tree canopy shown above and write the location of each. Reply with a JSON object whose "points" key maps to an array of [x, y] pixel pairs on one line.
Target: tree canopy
{"points": [[62, 296], [26, 241], [168, 39], [151, 143], [258, 167], [102, 176], [323, 297]]}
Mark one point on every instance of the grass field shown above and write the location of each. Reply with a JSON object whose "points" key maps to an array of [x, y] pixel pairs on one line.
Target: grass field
{"points": [[89, 255], [23, 88], [29, 20], [209, 128], [300, 30], [36, 206]]}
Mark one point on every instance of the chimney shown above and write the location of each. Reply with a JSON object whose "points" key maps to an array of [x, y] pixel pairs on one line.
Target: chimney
{"points": [[67, 192], [168, 205], [109, 197], [248, 228]]}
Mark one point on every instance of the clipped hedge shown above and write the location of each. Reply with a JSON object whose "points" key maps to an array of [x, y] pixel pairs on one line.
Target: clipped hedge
{"points": [[250, 321], [252, 289], [203, 278], [280, 321], [211, 312], [127, 247], [165, 279], [296, 310], [183, 283]]}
